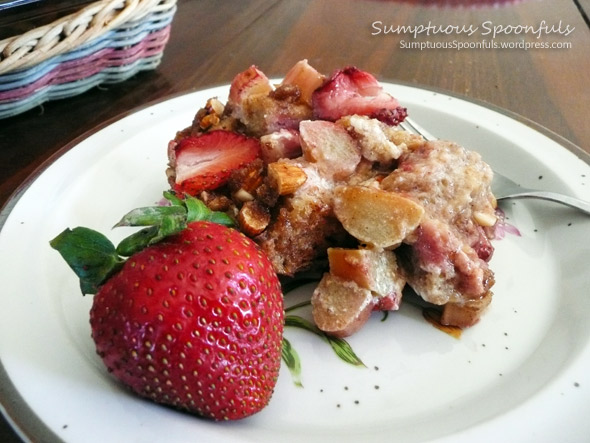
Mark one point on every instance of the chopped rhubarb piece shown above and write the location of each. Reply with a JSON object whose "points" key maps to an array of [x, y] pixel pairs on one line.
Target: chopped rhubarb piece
{"points": [[306, 78], [352, 91], [284, 143], [206, 162], [246, 83], [262, 109]]}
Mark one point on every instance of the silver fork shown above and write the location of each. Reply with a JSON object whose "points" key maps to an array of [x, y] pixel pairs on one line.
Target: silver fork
{"points": [[503, 187]]}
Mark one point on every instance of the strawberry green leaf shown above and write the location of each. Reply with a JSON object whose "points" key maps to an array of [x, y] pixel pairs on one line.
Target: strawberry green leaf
{"points": [[90, 254], [94, 258], [197, 211], [175, 216], [221, 218], [340, 346], [151, 215], [173, 199], [137, 241], [164, 221], [169, 225], [291, 359]]}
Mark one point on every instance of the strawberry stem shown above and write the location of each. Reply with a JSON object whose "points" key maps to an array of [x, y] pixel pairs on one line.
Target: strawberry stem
{"points": [[93, 257], [151, 215]]}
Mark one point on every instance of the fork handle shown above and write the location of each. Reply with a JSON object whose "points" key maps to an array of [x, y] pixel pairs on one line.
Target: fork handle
{"points": [[553, 197]]}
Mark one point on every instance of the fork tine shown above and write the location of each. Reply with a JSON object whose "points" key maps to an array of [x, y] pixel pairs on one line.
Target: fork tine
{"points": [[410, 125]]}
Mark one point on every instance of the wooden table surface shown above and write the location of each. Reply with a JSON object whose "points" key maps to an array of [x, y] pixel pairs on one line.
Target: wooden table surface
{"points": [[211, 41]]}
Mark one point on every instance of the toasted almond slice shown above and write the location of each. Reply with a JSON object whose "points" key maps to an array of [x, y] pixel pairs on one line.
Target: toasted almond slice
{"points": [[241, 195], [374, 216], [484, 219], [340, 307], [286, 177], [253, 218]]}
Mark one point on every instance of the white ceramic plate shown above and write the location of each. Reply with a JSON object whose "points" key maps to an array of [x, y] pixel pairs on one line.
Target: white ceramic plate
{"points": [[522, 374]]}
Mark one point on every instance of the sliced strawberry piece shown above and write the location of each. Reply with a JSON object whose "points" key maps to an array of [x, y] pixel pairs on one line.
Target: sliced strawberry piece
{"points": [[352, 91], [205, 162]]}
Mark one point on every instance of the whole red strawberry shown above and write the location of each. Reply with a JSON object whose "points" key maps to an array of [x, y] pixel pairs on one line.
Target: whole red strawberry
{"points": [[194, 321]]}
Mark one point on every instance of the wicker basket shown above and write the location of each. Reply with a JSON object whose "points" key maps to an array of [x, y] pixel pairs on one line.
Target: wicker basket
{"points": [[106, 42]]}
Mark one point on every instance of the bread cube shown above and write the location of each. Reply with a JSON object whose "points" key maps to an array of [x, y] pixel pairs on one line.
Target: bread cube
{"points": [[372, 269], [340, 307], [330, 147], [465, 314]]}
